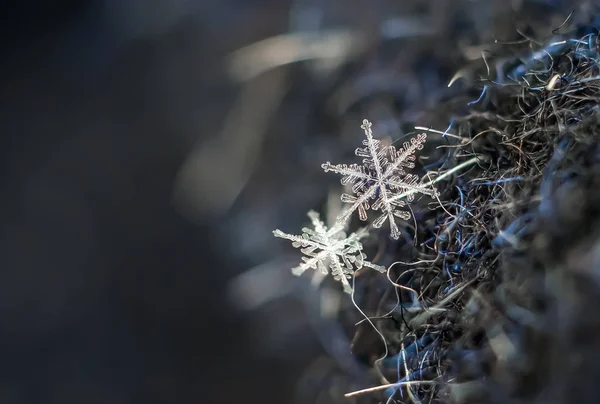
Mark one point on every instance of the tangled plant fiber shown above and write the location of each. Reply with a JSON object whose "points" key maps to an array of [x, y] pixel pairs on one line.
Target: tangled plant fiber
{"points": [[497, 299]]}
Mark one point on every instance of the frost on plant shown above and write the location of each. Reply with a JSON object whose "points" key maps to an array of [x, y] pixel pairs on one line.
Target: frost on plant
{"points": [[329, 250], [381, 177]]}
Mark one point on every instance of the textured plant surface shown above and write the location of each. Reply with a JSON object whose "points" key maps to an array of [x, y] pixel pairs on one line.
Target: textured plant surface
{"points": [[499, 270], [490, 291]]}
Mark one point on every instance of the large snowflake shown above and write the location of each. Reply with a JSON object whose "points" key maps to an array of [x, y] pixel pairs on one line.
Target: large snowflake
{"points": [[382, 178], [329, 250]]}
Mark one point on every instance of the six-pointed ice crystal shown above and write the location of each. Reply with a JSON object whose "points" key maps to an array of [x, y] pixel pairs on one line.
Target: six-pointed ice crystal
{"points": [[329, 250], [381, 183]]}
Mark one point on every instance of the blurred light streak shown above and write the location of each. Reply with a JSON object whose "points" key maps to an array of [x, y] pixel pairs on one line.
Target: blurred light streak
{"points": [[330, 47], [406, 27], [335, 46], [262, 284], [214, 174]]}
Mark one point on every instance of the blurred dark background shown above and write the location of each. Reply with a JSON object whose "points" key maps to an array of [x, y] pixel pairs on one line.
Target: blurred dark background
{"points": [[111, 291], [148, 153]]}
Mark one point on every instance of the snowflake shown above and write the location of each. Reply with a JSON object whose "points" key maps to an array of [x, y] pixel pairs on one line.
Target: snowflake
{"points": [[329, 248], [381, 177]]}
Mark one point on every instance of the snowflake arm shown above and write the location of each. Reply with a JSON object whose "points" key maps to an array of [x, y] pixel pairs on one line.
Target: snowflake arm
{"points": [[329, 250], [382, 177]]}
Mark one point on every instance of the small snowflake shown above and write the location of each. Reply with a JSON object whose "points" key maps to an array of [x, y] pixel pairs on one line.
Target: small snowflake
{"points": [[329, 249], [382, 177]]}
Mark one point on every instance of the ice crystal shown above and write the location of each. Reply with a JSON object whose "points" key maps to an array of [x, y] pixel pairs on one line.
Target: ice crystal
{"points": [[329, 250], [381, 177]]}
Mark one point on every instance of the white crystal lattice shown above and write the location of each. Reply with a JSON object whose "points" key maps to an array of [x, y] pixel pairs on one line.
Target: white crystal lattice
{"points": [[381, 177], [329, 250]]}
